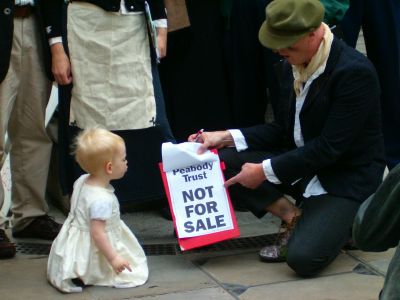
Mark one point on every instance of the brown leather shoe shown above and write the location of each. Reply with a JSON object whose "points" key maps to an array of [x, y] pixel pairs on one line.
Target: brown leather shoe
{"points": [[43, 227], [7, 249], [278, 251]]}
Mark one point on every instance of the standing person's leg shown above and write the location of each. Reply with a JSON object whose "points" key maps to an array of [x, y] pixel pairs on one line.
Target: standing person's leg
{"points": [[380, 21], [161, 113], [320, 233], [245, 69], [381, 28], [162, 122], [8, 94], [352, 20], [270, 60], [31, 147]]}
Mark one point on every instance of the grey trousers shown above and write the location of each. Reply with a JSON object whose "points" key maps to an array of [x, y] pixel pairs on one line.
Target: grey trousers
{"points": [[24, 94], [323, 228]]}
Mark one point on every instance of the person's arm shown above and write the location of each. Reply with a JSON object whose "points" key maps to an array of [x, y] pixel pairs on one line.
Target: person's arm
{"points": [[377, 223], [52, 16], [60, 64], [251, 176], [99, 236], [162, 41], [157, 9], [160, 22], [213, 139]]}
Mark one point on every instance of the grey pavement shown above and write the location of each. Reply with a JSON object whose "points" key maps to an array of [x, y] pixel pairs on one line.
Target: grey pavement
{"points": [[227, 273]]}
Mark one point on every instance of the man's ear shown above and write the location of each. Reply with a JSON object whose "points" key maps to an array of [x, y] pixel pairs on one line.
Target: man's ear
{"points": [[108, 168]]}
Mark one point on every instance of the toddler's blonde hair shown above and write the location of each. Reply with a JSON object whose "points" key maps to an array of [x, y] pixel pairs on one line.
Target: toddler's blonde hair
{"points": [[95, 147]]}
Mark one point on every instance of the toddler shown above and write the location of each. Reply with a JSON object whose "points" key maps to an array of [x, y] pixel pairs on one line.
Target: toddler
{"points": [[94, 246]]}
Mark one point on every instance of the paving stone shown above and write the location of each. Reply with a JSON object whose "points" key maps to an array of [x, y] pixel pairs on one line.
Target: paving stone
{"points": [[377, 260], [209, 294], [364, 269], [347, 286], [246, 269], [150, 227], [168, 274], [25, 278]]}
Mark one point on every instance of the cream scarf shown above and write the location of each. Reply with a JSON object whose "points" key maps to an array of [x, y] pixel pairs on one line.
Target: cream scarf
{"points": [[302, 73]]}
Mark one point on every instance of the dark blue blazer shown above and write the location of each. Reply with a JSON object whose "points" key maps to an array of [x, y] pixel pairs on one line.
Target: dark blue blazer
{"points": [[341, 126], [6, 32], [6, 36]]}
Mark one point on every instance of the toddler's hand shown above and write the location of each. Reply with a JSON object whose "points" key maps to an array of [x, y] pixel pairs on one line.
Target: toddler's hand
{"points": [[119, 264]]}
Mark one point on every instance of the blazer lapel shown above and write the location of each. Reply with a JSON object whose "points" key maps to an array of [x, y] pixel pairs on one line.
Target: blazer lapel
{"points": [[318, 84]]}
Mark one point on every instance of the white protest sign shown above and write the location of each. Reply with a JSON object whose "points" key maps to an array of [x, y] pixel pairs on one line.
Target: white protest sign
{"points": [[198, 197]]}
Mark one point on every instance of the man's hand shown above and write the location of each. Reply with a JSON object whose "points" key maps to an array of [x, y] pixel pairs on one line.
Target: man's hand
{"points": [[251, 176], [60, 66], [119, 264], [214, 139], [162, 41]]}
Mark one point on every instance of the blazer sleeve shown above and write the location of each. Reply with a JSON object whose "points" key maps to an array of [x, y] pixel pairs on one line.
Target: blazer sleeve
{"points": [[377, 223], [266, 136], [52, 15], [353, 96], [157, 9]]}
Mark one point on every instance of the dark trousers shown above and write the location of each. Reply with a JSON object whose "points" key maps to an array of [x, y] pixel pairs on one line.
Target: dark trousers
{"points": [[192, 74], [250, 70], [380, 21], [161, 113], [323, 228]]}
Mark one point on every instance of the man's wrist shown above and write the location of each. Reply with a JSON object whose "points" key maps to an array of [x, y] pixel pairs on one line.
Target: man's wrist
{"points": [[55, 40], [57, 49], [269, 172], [239, 140]]}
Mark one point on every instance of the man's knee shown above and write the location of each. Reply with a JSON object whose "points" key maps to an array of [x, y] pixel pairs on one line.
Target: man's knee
{"points": [[306, 262]]}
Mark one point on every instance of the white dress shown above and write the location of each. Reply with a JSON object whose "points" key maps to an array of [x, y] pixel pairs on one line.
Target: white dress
{"points": [[74, 254]]}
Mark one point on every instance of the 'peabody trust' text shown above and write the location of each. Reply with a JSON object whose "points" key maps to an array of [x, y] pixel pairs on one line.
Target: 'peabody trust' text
{"points": [[189, 178]]}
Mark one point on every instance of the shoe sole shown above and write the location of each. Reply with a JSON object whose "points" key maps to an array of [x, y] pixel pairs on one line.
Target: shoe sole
{"points": [[271, 260], [7, 253]]}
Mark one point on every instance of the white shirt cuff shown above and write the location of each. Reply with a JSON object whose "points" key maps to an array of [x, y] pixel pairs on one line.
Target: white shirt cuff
{"points": [[269, 172], [55, 40], [160, 23], [238, 139]]}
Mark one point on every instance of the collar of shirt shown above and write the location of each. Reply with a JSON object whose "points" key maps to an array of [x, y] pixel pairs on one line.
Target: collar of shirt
{"points": [[297, 134], [24, 2]]}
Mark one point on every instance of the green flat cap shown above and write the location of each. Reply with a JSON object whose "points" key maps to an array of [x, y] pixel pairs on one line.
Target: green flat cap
{"points": [[289, 20]]}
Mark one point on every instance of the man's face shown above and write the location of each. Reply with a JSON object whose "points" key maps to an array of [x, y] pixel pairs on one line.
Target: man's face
{"points": [[299, 53]]}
